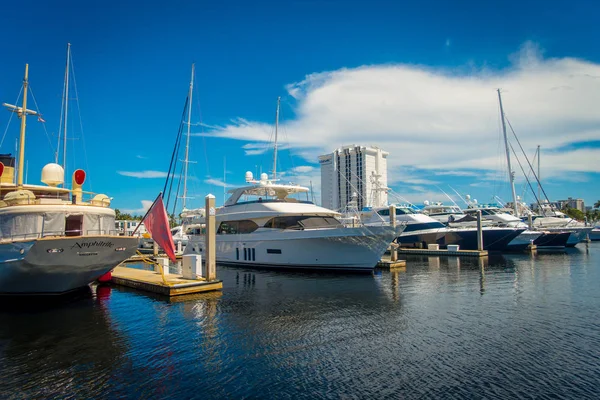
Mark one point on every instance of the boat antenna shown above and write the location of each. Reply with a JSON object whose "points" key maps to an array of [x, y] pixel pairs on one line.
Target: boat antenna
{"points": [[448, 196], [275, 146], [511, 174], [459, 196]]}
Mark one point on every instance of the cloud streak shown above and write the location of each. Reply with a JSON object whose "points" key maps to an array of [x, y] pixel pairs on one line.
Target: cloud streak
{"points": [[143, 174]]}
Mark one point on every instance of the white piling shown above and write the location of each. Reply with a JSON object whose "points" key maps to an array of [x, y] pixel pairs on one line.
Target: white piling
{"points": [[191, 266], [162, 262], [210, 245], [179, 247], [530, 221], [393, 249], [155, 249], [479, 232]]}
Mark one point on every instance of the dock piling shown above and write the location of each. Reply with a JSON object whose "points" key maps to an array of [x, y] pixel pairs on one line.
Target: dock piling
{"points": [[479, 232], [210, 244], [393, 249]]}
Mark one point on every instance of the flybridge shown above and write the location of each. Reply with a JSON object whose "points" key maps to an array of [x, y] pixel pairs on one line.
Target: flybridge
{"points": [[264, 187]]}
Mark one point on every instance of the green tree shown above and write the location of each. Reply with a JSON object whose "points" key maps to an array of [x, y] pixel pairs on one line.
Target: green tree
{"points": [[574, 213], [597, 204]]}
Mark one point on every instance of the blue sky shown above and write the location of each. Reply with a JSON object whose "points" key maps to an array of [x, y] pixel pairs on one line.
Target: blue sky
{"points": [[416, 79]]}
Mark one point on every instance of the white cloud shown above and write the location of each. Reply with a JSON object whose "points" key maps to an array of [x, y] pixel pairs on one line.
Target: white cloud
{"points": [[217, 182], [440, 120], [303, 169], [143, 174], [145, 207]]}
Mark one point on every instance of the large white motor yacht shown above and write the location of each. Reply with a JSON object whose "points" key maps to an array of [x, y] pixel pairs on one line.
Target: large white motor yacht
{"points": [[264, 225]]}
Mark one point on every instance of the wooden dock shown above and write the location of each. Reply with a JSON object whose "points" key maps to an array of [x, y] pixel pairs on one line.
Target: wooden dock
{"points": [[458, 253], [151, 281]]}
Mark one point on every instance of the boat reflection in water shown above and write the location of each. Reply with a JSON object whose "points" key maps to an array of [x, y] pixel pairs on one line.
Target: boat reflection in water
{"points": [[58, 348]]}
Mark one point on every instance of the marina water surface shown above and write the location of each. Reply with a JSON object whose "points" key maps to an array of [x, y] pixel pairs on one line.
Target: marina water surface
{"points": [[511, 326]]}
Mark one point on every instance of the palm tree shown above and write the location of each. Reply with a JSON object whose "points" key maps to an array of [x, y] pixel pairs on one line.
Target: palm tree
{"points": [[597, 204]]}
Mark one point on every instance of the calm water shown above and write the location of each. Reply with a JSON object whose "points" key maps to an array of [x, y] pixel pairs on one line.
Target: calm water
{"points": [[516, 326]]}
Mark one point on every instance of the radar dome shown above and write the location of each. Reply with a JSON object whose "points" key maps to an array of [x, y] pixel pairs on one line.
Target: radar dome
{"points": [[264, 176], [426, 202], [249, 176], [468, 197], [53, 174]]}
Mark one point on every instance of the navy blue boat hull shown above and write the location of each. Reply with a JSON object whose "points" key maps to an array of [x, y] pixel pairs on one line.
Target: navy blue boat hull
{"points": [[493, 239]]}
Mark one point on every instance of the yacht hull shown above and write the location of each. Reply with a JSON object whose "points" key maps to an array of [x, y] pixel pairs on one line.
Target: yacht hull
{"points": [[494, 239], [524, 240], [552, 240], [60, 265], [340, 249], [576, 235]]}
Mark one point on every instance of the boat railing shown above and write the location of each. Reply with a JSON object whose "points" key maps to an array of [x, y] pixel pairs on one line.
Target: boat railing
{"points": [[65, 233], [45, 198]]}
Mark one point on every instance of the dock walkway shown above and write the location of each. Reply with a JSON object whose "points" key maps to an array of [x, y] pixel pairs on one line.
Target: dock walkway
{"points": [[152, 282]]}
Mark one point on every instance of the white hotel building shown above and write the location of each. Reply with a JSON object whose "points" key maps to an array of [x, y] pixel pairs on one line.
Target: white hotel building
{"points": [[354, 169]]}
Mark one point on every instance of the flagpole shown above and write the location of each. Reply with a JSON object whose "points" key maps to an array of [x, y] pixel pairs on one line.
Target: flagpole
{"points": [[147, 212]]}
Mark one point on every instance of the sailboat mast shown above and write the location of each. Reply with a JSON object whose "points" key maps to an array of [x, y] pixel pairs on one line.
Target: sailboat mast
{"points": [[23, 124], [64, 165], [275, 147], [539, 177], [187, 141], [511, 175]]}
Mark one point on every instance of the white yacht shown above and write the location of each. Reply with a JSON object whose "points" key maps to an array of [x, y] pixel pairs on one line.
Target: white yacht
{"points": [[263, 225], [53, 241], [500, 218], [442, 212], [422, 230], [556, 221]]}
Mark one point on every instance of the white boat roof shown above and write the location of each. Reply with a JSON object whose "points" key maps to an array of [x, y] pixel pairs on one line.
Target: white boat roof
{"points": [[264, 189]]}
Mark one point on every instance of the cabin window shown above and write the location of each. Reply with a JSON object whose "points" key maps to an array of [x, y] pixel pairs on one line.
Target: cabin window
{"points": [[196, 231], [73, 225], [233, 227], [385, 212], [302, 222]]}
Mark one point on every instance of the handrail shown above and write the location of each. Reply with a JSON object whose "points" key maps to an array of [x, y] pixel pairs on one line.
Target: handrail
{"points": [[45, 234]]}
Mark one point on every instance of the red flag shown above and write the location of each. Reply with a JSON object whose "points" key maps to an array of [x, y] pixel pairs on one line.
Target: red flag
{"points": [[157, 224]]}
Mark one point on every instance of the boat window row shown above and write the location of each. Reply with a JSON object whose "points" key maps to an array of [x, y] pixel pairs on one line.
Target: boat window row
{"points": [[297, 222], [385, 212]]}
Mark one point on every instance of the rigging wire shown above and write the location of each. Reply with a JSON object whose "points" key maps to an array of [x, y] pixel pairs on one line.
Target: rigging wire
{"points": [[171, 172], [10, 118], [85, 156], [529, 163], [40, 119]]}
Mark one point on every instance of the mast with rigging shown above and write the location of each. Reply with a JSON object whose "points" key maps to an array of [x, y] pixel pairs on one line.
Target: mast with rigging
{"points": [[511, 174], [187, 140]]}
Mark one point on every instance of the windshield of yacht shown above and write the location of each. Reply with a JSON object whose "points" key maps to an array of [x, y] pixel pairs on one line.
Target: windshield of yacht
{"points": [[399, 211], [302, 222]]}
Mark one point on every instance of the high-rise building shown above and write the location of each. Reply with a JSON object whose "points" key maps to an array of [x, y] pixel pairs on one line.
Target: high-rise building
{"points": [[577, 204], [350, 171]]}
